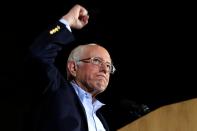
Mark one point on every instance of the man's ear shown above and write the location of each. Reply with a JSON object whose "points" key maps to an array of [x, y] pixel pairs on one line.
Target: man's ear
{"points": [[72, 67]]}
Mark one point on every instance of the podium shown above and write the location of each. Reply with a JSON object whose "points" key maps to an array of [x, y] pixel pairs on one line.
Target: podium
{"points": [[181, 116]]}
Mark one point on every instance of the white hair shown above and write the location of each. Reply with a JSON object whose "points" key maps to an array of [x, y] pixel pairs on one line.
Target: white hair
{"points": [[75, 55]]}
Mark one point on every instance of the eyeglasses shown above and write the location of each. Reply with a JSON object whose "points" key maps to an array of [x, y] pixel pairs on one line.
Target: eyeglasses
{"points": [[98, 61]]}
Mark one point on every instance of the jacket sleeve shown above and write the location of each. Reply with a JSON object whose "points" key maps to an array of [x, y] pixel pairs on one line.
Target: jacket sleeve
{"points": [[43, 73]]}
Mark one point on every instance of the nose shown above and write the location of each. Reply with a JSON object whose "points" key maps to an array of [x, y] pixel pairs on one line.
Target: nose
{"points": [[104, 68]]}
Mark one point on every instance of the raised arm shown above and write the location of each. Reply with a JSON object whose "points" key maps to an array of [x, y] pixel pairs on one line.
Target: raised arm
{"points": [[44, 50], [47, 45]]}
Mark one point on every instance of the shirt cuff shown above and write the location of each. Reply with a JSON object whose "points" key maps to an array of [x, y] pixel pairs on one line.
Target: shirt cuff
{"points": [[66, 24]]}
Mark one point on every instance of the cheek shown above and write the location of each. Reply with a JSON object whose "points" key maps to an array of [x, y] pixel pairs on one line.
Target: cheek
{"points": [[90, 72], [88, 75]]}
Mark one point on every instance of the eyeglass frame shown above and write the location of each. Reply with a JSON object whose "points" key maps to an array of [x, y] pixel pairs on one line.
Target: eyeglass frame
{"points": [[111, 70]]}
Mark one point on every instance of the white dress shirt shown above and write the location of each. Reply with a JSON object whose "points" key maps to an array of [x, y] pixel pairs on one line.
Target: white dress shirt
{"points": [[94, 124]]}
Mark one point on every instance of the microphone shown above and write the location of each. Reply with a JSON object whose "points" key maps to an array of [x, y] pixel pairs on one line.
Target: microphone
{"points": [[134, 109]]}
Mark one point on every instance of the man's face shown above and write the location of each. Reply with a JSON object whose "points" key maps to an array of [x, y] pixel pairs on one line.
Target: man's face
{"points": [[94, 78]]}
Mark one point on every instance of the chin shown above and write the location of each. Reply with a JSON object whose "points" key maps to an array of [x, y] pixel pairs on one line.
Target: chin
{"points": [[100, 87]]}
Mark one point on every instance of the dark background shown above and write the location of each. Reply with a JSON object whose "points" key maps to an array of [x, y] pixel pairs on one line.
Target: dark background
{"points": [[151, 43]]}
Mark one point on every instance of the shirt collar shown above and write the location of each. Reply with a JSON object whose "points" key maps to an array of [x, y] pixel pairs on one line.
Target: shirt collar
{"points": [[83, 95]]}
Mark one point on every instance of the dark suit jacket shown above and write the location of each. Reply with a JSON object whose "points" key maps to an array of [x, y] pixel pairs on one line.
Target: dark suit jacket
{"points": [[56, 107]]}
